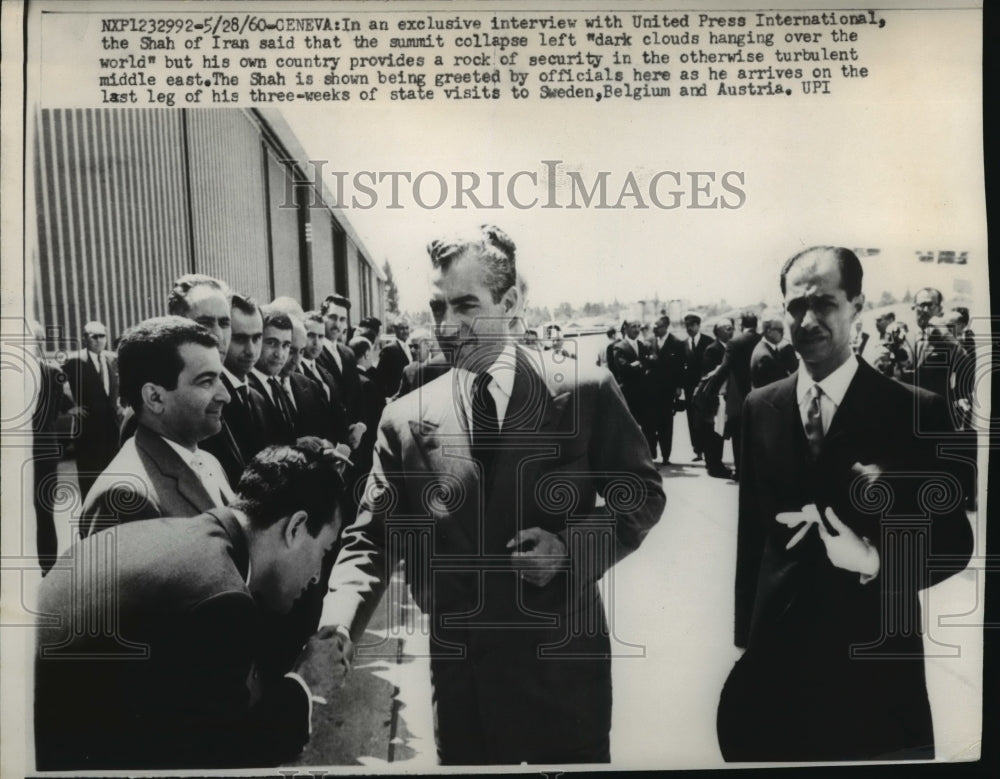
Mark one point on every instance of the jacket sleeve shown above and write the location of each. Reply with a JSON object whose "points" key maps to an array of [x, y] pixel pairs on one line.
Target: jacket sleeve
{"points": [[749, 535]]}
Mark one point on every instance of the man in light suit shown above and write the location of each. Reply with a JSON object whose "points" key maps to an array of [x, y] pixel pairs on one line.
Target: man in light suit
{"points": [[772, 360], [471, 463], [835, 538], [170, 376], [162, 682], [92, 374]]}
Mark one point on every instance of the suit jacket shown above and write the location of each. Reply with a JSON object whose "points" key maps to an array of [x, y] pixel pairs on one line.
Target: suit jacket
{"points": [[97, 439], [338, 412], [347, 383], [313, 414], [631, 376], [735, 370], [391, 362], [417, 374], [666, 369], [844, 658], [51, 400], [246, 427], [147, 479], [693, 368], [768, 365], [164, 684], [280, 429], [564, 434], [940, 365]]}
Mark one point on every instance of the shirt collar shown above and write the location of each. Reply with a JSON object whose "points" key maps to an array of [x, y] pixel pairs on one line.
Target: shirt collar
{"points": [[185, 454], [237, 383], [503, 378], [634, 343], [834, 386]]}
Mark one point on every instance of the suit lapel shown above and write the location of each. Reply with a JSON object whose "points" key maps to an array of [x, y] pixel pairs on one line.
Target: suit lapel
{"points": [[166, 466]]}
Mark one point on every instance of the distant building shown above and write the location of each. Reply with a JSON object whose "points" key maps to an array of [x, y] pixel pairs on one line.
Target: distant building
{"points": [[129, 199]]}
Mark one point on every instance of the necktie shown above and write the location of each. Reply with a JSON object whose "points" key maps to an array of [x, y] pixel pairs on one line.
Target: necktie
{"points": [[311, 371], [814, 421], [485, 423], [241, 393], [287, 385], [278, 395], [99, 367]]}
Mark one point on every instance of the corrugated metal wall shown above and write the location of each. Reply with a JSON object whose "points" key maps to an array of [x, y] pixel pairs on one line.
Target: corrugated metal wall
{"points": [[112, 216], [129, 199], [227, 200]]}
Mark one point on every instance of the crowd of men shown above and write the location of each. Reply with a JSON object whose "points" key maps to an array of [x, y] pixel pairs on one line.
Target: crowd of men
{"points": [[260, 468], [709, 377]]}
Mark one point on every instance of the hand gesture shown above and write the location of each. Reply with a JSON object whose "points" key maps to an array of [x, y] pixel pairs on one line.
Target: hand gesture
{"points": [[534, 550], [844, 548], [354, 433], [326, 659]]}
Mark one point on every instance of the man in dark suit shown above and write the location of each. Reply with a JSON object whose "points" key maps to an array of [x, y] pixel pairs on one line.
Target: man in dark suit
{"points": [[694, 349], [162, 682], [393, 358], [170, 378], [504, 429], [310, 408], [707, 405], [246, 413], [205, 300], [734, 375], [265, 377], [373, 403], [666, 378], [311, 368], [50, 400], [631, 358], [939, 360], [93, 380], [836, 536], [337, 359], [772, 358]]}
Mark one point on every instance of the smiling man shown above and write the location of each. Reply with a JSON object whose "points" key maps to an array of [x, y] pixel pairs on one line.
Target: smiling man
{"points": [[838, 531], [170, 372], [165, 684], [265, 377], [520, 650]]}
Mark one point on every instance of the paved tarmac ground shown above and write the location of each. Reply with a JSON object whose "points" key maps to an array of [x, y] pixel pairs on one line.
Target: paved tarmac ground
{"points": [[670, 608]]}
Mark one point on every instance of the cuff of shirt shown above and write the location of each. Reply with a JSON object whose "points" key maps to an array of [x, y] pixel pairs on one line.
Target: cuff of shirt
{"points": [[865, 578], [307, 691]]}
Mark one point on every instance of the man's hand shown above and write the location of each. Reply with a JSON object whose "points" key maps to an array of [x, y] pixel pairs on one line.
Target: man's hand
{"points": [[354, 433], [534, 553], [79, 412], [326, 660], [844, 548]]}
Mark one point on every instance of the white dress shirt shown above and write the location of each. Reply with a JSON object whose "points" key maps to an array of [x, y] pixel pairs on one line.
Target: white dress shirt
{"points": [[208, 470], [502, 372], [834, 388]]}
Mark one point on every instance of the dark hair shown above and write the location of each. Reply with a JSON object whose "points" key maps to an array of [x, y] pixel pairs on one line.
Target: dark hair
{"points": [[334, 300], [314, 316], [360, 346], [848, 263], [610, 332], [177, 303], [493, 246], [371, 323], [748, 320], [150, 352], [663, 321], [244, 303], [963, 314], [278, 320], [281, 480]]}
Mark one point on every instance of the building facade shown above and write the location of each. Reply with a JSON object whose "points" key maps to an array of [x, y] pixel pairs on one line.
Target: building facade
{"points": [[129, 199]]}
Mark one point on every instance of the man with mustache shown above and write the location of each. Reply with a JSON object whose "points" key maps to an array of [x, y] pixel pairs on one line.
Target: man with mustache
{"points": [[170, 374], [836, 536], [463, 487]]}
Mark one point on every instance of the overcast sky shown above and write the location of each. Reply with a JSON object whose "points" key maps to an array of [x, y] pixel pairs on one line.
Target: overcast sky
{"points": [[892, 162]]}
